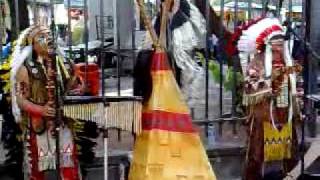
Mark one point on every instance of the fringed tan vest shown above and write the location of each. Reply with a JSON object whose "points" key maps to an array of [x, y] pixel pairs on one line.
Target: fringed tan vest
{"points": [[45, 142]]}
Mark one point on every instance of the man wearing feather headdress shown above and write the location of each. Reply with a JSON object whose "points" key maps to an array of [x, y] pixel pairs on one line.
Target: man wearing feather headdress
{"points": [[33, 112], [270, 97]]}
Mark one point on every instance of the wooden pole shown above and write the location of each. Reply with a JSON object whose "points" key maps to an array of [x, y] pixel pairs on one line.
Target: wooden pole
{"points": [[148, 23], [54, 91], [164, 21]]}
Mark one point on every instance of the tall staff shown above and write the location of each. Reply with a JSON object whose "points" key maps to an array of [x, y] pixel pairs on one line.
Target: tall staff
{"points": [[54, 90]]}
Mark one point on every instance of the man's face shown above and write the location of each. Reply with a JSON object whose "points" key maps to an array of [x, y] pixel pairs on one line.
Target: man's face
{"points": [[277, 45], [75, 13], [43, 43]]}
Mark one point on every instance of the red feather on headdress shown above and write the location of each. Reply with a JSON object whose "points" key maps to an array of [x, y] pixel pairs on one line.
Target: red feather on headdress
{"points": [[231, 47]]}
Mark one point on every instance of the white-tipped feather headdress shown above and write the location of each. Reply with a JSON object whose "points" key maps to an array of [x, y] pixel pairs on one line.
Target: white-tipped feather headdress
{"points": [[256, 39], [22, 51]]}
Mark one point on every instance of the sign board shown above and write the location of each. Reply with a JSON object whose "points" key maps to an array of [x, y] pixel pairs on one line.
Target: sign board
{"points": [[46, 1], [74, 3]]}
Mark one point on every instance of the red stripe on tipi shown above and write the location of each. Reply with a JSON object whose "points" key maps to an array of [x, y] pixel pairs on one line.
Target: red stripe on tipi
{"points": [[163, 120], [167, 121], [160, 62]]}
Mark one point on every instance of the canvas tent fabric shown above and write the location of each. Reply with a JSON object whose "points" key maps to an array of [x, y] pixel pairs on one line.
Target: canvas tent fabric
{"points": [[169, 147]]}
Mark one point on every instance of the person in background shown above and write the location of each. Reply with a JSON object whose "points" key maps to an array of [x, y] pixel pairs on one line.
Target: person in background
{"points": [[77, 26]]}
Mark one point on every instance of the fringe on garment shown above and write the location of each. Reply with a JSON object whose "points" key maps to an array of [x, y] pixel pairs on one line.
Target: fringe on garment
{"points": [[49, 162], [122, 115], [93, 112], [125, 116], [27, 165], [256, 98]]}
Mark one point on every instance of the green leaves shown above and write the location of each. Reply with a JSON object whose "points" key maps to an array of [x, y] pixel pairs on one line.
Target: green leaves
{"points": [[214, 69], [229, 81]]}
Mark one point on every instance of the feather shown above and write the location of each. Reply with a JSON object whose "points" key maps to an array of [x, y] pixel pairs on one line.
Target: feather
{"points": [[289, 62], [268, 61], [19, 56]]}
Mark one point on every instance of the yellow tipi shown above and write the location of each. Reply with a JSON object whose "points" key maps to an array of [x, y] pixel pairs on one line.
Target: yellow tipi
{"points": [[168, 147]]}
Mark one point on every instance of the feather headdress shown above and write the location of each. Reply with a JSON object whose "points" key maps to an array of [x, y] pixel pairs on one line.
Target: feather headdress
{"points": [[257, 39], [256, 36], [231, 47], [22, 51]]}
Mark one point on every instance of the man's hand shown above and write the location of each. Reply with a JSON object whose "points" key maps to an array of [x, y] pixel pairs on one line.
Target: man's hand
{"points": [[48, 111], [76, 92], [42, 118]]}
